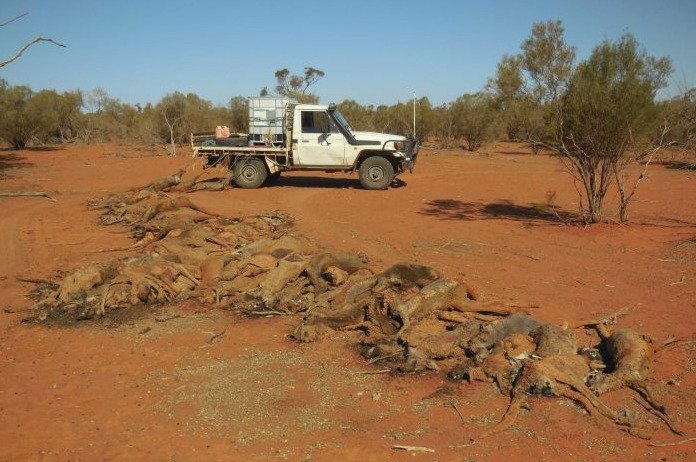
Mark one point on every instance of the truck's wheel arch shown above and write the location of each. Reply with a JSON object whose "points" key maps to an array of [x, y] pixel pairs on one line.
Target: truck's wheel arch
{"points": [[271, 166], [369, 153]]}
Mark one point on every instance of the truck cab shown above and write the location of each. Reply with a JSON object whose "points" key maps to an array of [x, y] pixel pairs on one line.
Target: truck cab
{"points": [[324, 139]]}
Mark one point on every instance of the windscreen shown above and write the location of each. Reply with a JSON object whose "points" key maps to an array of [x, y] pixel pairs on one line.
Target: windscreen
{"points": [[342, 120]]}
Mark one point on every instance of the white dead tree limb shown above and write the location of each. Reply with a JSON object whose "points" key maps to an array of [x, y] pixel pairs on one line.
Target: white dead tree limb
{"points": [[24, 47], [170, 125], [621, 175], [19, 16]]}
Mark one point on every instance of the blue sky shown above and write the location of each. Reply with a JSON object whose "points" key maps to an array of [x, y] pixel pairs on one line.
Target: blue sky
{"points": [[372, 51]]}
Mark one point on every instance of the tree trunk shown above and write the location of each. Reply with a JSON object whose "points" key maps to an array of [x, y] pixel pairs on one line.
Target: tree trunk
{"points": [[18, 143], [596, 213], [594, 207], [172, 146], [170, 126], [623, 200]]}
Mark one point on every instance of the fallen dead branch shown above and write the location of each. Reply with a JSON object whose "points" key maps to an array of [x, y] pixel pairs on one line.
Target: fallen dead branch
{"points": [[16, 310], [33, 280], [383, 357], [675, 443], [216, 336], [461, 417], [412, 448], [268, 313], [380, 371], [27, 194]]}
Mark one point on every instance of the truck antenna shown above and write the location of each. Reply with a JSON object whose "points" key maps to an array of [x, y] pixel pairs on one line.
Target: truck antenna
{"points": [[414, 115]]}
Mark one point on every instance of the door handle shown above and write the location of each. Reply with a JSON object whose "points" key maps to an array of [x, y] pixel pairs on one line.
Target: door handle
{"points": [[305, 141]]}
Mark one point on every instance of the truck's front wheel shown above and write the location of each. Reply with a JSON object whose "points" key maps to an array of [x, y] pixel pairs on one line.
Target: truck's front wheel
{"points": [[250, 173], [376, 173]]}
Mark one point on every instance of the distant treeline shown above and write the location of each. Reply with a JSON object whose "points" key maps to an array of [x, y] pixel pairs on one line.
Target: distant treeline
{"points": [[46, 116]]}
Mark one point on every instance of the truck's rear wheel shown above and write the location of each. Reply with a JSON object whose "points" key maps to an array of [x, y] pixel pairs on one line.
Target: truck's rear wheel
{"points": [[376, 173], [250, 173]]}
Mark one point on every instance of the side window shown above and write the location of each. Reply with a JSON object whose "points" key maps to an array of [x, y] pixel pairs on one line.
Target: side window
{"points": [[317, 122]]}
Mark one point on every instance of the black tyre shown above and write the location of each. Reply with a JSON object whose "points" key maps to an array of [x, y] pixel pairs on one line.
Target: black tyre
{"points": [[250, 173], [376, 173], [272, 178]]}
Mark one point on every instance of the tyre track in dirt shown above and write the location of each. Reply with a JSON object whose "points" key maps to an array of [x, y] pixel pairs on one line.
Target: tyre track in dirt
{"points": [[13, 247], [21, 244]]}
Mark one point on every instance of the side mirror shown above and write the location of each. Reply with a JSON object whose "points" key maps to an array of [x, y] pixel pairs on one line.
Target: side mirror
{"points": [[325, 137]]}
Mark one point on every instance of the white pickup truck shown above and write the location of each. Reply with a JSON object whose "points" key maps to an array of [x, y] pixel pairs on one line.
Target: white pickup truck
{"points": [[286, 136]]}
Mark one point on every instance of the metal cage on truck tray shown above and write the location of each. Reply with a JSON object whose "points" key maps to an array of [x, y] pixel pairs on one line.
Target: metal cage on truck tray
{"points": [[267, 120]]}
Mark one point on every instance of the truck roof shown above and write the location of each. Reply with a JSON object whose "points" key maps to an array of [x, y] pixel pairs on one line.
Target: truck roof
{"points": [[312, 107]]}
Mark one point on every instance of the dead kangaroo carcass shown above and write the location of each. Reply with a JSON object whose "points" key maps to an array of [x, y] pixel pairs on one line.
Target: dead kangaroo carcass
{"points": [[629, 359]]}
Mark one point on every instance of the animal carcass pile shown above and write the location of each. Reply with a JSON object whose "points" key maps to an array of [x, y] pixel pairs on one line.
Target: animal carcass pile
{"points": [[407, 316]]}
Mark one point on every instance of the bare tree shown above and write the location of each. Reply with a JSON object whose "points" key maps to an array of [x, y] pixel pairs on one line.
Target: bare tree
{"points": [[24, 47], [173, 109], [295, 83], [297, 86], [170, 125]]}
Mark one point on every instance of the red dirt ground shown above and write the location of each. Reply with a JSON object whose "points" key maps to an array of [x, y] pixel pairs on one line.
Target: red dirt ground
{"points": [[166, 389]]}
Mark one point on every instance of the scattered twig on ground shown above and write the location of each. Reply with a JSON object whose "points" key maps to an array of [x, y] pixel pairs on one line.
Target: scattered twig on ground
{"points": [[381, 371], [33, 280], [659, 415], [412, 448], [673, 342], [383, 357], [554, 210], [216, 336], [608, 320], [115, 249], [679, 282], [16, 310], [268, 313], [675, 443], [449, 242], [461, 417], [166, 318], [70, 243], [27, 194], [522, 305]]}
